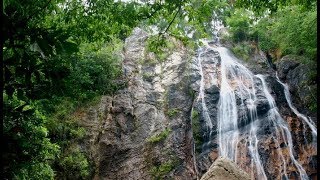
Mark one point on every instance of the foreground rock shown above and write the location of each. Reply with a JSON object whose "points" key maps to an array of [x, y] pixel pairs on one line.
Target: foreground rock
{"points": [[223, 169]]}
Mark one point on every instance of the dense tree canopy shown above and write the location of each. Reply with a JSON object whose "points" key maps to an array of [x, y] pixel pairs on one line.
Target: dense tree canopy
{"points": [[290, 29]]}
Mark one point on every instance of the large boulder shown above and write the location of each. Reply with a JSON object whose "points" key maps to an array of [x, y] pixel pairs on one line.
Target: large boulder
{"points": [[223, 169]]}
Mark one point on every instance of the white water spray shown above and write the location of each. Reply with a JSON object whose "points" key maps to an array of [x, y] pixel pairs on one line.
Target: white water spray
{"points": [[294, 109], [238, 84], [241, 90], [279, 123]]}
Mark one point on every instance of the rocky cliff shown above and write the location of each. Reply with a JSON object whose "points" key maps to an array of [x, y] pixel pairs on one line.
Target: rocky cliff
{"points": [[154, 128], [301, 78], [144, 130]]}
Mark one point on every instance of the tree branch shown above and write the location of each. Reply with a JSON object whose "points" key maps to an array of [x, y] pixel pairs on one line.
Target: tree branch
{"points": [[156, 9], [35, 12], [179, 8]]}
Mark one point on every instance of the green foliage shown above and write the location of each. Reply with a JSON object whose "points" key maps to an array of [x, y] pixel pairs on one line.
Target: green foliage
{"points": [[159, 137], [161, 46], [313, 105], [35, 170], [159, 172], [263, 33], [242, 51], [289, 30], [260, 7], [310, 85], [173, 112], [99, 19], [295, 31], [239, 23], [74, 165], [196, 130], [94, 72], [65, 131], [187, 20], [187, 42], [29, 152]]}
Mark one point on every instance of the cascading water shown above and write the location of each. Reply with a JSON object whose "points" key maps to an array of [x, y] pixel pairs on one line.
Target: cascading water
{"points": [[238, 121], [236, 80], [281, 125], [303, 117]]}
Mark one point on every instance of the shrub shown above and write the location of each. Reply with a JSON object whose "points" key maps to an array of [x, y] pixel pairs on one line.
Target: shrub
{"points": [[161, 46], [94, 72], [239, 24], [158, 172], [242, 51], [74, 165], [291, 30], [196, 130], [159, 137], [173, 112], [28, 153]]}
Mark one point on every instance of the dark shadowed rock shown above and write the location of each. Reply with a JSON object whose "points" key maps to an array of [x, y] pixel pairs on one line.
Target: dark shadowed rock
{"points": [[286, 64], [262, 106]]}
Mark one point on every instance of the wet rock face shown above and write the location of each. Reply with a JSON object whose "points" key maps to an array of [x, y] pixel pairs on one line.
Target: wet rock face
{"points": [[298, 78], [285, 65], [269, 147], [145, 127], [211, 74]]}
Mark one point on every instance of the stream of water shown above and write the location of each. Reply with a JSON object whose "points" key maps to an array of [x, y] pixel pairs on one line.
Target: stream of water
{"points": [[241, 89]]}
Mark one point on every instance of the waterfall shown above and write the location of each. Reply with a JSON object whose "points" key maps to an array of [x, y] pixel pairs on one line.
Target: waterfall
{"points": [[276, 119], [241, 90], [301, 116], [237, 80]]}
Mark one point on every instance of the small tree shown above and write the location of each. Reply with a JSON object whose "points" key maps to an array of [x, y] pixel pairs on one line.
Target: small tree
{"points": [[239, 24]]}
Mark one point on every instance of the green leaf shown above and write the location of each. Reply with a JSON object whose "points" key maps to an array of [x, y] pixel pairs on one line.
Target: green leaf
{"points": [[44, 46], [27, 108], [70, 47]]}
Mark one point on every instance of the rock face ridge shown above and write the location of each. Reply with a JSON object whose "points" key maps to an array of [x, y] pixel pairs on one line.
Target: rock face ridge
{"points": [[144, 131]]}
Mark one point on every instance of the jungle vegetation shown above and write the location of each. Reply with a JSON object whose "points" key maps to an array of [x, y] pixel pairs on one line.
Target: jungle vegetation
{"points": [[59, 55]]}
